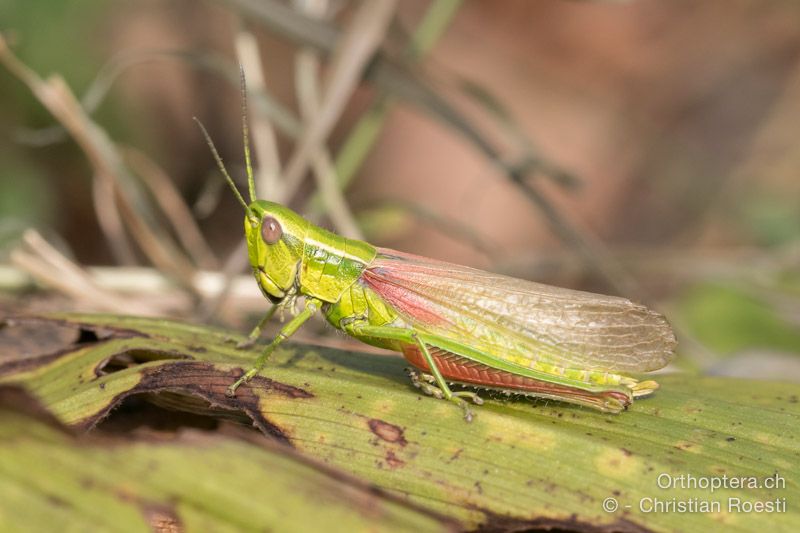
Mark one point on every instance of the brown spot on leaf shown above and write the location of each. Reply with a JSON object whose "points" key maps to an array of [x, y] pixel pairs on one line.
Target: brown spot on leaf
{"points": [[290, 391], [204, 380], [133, 357], [162, 518], [386, 431], [456, 455], [393, 461], [56, 501], [196, 349], [163, 414], [496, 523], [29, 339], [30, 342], [87, 335]]}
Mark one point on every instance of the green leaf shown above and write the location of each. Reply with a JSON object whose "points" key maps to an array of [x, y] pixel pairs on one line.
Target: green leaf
{"points": [[728, 320], [51, 480], [520, 464]]}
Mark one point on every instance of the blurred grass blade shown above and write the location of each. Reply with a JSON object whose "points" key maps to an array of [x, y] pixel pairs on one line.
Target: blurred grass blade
{"points": [[519, 465], [278, 114], [111, 224], [263, 137], [308, 96], [52, 269], [55, 95], [386, 218], [172, 206], [281, 116], [436, 19], [361, 139], [399, 80], [353, 51], [282, 19], [730, 320], [531, 162]]}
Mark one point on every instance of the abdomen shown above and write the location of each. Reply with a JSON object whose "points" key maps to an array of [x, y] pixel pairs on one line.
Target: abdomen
{"points": [[462, 370]]}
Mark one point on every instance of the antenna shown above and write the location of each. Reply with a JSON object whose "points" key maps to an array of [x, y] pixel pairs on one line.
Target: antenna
{"points": [[221, 165], [251, 181]]}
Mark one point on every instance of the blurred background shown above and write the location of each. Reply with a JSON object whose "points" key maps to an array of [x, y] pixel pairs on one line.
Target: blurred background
{"points": [[642, 148]]}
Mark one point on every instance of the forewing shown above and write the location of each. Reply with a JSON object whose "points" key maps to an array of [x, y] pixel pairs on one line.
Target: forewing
{"points": [[567, 328]]}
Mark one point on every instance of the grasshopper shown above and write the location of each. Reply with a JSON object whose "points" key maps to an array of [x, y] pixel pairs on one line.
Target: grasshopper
{"points": [[454, 324]]}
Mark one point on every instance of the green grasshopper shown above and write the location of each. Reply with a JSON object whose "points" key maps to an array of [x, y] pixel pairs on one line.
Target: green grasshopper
{"points": [[452, 323]]}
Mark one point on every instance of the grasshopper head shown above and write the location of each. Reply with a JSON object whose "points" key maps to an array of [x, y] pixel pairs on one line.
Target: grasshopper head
{"points": [[274, 233], [275, 237]]}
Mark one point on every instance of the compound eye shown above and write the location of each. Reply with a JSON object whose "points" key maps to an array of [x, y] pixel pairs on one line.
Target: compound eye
{"points": [[271, 230]]}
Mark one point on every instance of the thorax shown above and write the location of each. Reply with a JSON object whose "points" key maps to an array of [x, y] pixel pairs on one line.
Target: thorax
{"points": [[331, 264]]}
